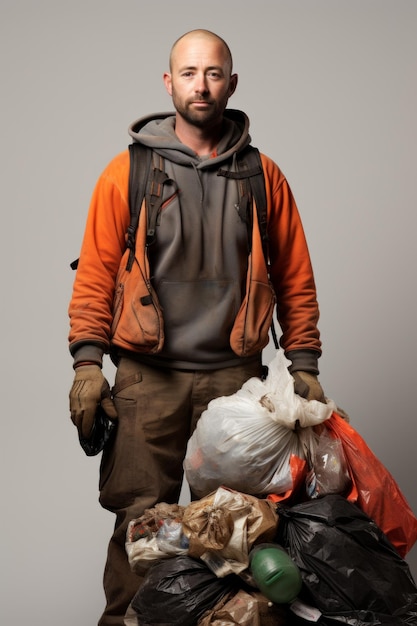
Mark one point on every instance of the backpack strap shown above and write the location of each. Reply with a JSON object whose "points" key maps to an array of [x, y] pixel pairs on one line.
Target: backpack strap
{"points": [[251, 180], [257, 185], [146, 180], [250, 176], [154, 198], [140, 162]]}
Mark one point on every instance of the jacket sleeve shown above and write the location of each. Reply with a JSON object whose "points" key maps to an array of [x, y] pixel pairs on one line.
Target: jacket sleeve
{"points": [[291, 270], [104, 241]]}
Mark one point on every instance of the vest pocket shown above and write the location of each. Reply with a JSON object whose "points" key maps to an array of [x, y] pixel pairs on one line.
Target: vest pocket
{"points": [[137, 317], [250, 333]]}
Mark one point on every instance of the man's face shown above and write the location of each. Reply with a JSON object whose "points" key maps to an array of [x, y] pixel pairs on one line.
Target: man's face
{"points": [[200, 82]]}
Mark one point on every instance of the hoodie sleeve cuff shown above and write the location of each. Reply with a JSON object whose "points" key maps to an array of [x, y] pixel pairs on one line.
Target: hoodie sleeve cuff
{"points": [[303, 361], [90, 353]]}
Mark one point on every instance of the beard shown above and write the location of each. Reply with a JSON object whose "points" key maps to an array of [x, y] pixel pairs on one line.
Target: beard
{"points": [[204, 118]]}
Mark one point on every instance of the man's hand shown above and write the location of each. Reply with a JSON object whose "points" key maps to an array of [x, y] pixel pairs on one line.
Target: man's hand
{"points": [[307, 386], [88, 391]]}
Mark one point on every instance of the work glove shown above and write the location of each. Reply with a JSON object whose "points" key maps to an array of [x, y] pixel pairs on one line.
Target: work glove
{"points": [[89, 390], [307, 386]]}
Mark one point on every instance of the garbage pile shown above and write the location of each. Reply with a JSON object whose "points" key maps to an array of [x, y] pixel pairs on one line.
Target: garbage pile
{"points": [[298, 522]]}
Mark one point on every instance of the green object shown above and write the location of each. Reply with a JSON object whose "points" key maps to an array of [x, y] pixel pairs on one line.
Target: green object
{"points": [[275, 573]]}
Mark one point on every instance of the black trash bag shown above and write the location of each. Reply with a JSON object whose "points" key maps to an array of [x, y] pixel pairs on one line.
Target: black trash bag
{"points": [[177, 591], [350, 570], [102, 433]]}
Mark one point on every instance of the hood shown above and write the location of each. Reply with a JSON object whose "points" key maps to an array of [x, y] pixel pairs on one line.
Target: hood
{"points": [[158, 132]]}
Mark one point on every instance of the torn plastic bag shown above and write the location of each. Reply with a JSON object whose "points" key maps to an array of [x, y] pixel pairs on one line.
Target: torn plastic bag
{"points": [[328, 468], [157, 534], [245, 441], [374, 489], [350, 570], [222, 528], [178, 591]]}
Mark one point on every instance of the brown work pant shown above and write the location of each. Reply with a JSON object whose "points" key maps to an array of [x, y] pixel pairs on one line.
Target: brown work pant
{"points": [[158, 410]]}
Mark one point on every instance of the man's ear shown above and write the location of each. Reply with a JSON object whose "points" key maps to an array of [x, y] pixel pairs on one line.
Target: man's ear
{"points": [[233, 84], [168, 82]]}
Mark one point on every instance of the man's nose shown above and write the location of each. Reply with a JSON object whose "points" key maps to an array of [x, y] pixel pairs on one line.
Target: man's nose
{"points": [[201, 84]]}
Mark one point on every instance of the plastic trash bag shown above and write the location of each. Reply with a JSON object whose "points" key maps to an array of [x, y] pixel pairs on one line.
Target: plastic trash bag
{"points": [[245, 441], [155, 535], [350, 570], [177, 592], [170, 537], [102, 433], [329, 473], [374, 489], [222, 528]]}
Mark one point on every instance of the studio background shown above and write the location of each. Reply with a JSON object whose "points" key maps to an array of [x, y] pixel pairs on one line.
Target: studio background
{"points": [[330, 89]]}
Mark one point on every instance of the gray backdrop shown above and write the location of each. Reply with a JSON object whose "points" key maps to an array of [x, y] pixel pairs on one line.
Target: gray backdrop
{"points": [[330, 88]]}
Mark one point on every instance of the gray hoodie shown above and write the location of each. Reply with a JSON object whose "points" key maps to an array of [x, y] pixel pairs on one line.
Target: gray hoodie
{"points": [[199, 255]]}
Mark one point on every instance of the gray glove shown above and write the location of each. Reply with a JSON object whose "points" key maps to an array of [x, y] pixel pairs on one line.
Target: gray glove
{"points": [[89, 390], [307, 386]]}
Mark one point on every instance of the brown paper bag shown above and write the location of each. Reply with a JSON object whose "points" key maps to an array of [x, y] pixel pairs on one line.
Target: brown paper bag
{"points": [[245, 608], [223, 527]]}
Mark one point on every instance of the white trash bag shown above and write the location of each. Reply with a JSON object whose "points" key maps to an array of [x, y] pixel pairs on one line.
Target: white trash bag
{"points": [[245, 441]]}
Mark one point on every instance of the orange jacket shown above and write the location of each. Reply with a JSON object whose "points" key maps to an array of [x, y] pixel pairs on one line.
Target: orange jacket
{"points": [[106, 309]]}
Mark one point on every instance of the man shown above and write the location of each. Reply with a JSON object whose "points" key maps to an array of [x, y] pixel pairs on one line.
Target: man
{"points": [[199, 330]]}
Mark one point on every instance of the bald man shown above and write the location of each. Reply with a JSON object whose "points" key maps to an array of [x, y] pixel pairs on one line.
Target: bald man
{"points": [[200, 330]]}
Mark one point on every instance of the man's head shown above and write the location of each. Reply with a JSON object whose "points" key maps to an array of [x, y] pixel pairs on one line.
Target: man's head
{"points": [[204, 36], [200, 79]]}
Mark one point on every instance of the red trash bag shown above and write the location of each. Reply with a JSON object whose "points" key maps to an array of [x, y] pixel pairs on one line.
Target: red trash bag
{"points": [[298, 470], [374, 488]]}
